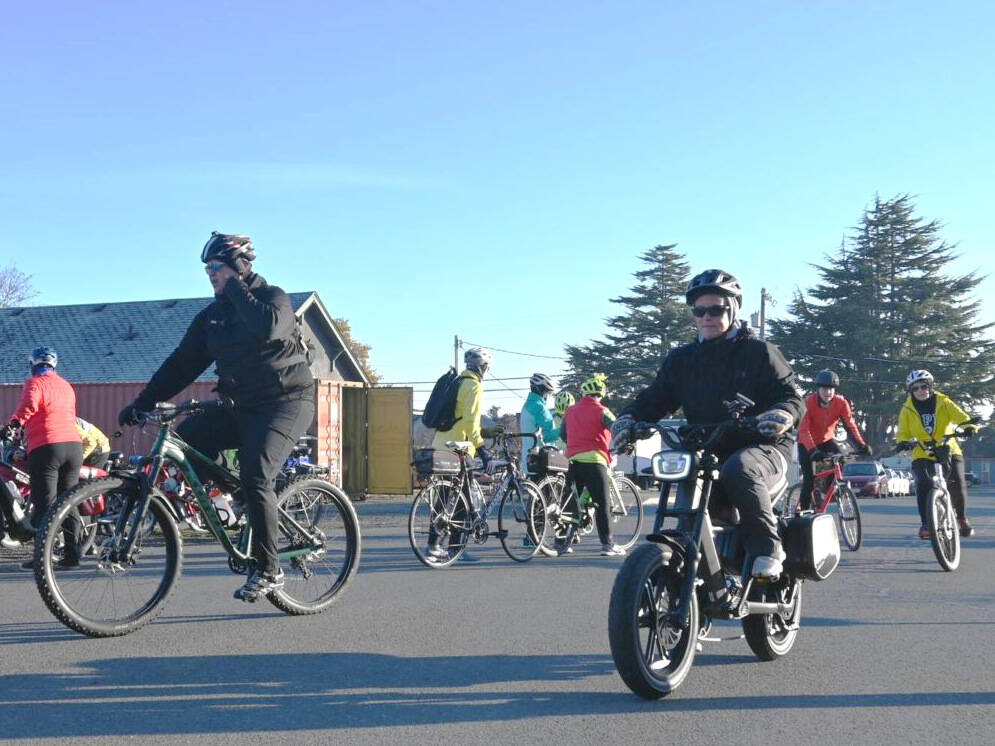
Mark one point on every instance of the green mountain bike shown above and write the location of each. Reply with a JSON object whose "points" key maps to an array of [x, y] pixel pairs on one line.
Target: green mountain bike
{"points": [[123, 581]]}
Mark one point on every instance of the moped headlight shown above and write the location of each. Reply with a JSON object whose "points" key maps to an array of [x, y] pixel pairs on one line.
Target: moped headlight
{"points": [[672, 466]]}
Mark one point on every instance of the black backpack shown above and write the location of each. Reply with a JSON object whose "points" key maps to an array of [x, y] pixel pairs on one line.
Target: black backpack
{"points": [[440, 409]]}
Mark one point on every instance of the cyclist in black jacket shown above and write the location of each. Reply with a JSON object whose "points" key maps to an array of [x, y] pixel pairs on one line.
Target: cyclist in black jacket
{"points": [[727, 360], [250, 333]]}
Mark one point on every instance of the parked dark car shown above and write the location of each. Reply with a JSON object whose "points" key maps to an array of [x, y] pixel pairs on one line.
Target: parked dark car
{"points": [[867, 478], [972, 477]]}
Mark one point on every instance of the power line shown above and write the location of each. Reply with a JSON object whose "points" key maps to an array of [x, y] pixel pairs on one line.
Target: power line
{"points": [[514, 352]]}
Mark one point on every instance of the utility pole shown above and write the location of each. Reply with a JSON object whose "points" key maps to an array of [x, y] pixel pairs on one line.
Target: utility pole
{"points": [[456, 346], [764, 298]]}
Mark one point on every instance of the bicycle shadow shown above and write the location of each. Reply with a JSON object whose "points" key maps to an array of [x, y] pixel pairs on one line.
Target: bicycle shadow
{"points": [[335, 691]]}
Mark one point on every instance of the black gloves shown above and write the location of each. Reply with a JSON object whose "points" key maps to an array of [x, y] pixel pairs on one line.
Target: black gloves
{"points": [[865, 450], [9, 430], [905, 445], [130, 415], [622, 433]]}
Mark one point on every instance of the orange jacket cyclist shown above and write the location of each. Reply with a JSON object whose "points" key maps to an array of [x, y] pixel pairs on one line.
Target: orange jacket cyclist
{"points": [[48, 415], [927, 415], [823, 410], [587, 430]]}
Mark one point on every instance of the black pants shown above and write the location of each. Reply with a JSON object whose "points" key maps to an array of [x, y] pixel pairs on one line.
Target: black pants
{"points": [[264, 436], [53, 468], [746, 478], [595, 478], [97, 459], [923, 469], [808, 475]]}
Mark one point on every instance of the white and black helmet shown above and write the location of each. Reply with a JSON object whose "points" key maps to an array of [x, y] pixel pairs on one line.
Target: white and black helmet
{"points": [[43, 356], [478, 359], [918, 376], [716, 282], [541, 384], [228, 247]]}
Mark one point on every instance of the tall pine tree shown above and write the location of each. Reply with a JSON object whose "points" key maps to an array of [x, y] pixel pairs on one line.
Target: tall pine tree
{"points": [[886, 304], [654, 320]]}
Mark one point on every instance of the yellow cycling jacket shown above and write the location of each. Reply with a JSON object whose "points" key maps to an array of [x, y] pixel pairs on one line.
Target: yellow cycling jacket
{"points": [[93, 439], [948, 417], [468, 401]]}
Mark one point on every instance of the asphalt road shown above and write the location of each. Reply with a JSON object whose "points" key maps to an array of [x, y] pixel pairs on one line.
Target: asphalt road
{"points": [[892, 650]]}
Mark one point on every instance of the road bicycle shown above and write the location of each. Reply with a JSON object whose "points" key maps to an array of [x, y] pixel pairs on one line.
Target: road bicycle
{"points": [[127, 578], [941, 518], [451, 510], [830, 488], [569, 521]]}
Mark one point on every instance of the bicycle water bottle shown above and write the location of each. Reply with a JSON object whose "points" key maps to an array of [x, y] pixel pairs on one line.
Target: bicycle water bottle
{"points": [[476, 496]]}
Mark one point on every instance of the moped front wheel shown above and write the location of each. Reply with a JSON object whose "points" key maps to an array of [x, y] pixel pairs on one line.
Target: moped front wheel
{"points": [[652, 648]]}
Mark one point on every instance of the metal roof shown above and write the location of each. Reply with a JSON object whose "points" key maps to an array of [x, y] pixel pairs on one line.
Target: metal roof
{"points": [[104, 342]]}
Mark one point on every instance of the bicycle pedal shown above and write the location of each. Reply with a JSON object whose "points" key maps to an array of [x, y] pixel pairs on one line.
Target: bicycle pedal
{"points": [[499, 534]]}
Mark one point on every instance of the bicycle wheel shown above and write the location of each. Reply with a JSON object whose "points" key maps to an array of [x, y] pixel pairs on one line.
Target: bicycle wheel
{"points": [[551, 488], [626, 511], [107, 595], [652, 649], [791, 503], [848, 514], [310, 510], [944, 533], [439, 523], [522, 521], [561, 517]]}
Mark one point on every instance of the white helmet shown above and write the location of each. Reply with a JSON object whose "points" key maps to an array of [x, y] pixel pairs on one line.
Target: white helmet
{"points": [[541, 384], [478, 359], [916, 376]]}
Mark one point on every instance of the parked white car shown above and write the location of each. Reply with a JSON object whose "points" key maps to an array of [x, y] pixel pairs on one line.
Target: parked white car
{"points": [[898, 483]]}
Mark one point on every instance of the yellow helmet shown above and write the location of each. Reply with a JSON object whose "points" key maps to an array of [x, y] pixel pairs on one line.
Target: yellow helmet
{"points": [[563, 400], [595, 385]]}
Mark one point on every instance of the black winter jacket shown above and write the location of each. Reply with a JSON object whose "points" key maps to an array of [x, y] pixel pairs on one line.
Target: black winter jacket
{"points": [[250, 333], [698, 377]]}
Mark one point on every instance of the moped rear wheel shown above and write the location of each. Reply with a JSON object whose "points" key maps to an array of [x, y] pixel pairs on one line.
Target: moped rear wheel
{"points": [[944, 533], [771, 636], [653, 650]]}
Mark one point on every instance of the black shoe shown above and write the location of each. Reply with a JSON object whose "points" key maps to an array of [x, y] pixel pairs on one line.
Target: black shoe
{"points": [[966, 529], [28, 565], [67, 563]]}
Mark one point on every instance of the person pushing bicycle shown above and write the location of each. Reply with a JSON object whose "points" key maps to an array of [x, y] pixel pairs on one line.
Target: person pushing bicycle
{"points": [[586, 429], [250, 333], [823, 410]]}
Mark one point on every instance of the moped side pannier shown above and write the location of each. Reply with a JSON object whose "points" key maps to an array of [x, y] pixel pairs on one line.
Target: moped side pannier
{"points": [[812, 546]]}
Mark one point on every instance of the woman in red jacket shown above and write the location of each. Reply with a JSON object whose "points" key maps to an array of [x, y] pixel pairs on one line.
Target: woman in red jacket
{"points": [[55, 452], [823, 410]]}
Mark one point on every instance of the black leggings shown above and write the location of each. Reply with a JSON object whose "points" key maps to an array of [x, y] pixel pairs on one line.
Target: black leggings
{"points": [[808, 474], [53, 468], [595, 478], [923, 469]]}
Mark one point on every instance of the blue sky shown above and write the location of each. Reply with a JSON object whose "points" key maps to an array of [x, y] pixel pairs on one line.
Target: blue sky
{"points": [[490, 170]]}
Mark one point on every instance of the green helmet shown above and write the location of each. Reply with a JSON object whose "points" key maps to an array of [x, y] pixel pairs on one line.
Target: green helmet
{"points": [[595, 385], [563, 400]]}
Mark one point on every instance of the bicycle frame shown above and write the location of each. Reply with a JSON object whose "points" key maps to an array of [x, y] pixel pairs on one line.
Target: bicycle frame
{"points": [[170, 447], [837, 478]]}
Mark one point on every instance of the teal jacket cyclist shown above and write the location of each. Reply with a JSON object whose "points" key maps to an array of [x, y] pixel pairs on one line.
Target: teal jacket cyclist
{"points": [[535, 414]]}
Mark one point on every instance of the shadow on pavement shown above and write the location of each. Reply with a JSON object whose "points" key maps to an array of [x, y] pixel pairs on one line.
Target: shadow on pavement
{"points": [[331, 691]]}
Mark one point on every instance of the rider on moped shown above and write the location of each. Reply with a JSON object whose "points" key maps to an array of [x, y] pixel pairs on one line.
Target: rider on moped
{"points": [[698, 378]]}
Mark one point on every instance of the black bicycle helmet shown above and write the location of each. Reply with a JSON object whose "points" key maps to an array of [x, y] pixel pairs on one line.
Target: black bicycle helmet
{"points": [[228, 248], [827, 378], [715, 281]]}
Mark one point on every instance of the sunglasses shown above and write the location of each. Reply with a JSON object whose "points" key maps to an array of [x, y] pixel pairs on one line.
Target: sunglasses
{"points": [[920, 387], [214, 267], [713, 311]]}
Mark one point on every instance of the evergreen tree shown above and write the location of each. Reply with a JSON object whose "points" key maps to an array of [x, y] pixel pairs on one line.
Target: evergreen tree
{"points": [[654, 319], [887, 304]]}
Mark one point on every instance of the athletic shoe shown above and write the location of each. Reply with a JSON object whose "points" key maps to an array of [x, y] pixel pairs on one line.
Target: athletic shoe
{"points": [[924, 533], [966, 529], [612, 550], [769, 567], [438, 553], [260, 584]]}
